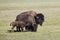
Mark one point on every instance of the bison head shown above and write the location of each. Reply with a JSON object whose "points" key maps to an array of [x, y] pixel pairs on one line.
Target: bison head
{"points": [[39, 18]]}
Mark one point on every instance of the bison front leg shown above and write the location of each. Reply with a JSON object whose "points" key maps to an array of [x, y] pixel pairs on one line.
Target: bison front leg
{"points": [[35, 27]]}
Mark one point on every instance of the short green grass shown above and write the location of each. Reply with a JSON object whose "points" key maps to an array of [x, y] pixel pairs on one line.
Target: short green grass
{"points": [[50, 29]]}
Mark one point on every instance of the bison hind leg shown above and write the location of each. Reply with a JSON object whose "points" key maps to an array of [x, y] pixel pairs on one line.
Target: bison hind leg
{"points": [[21, 29], [18, 29]]}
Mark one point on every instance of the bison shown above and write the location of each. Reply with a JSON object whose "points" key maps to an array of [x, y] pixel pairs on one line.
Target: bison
{"points": [[19, 24]]}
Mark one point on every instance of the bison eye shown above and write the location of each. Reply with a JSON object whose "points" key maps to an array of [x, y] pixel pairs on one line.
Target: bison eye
{"points": [[37, 17]]}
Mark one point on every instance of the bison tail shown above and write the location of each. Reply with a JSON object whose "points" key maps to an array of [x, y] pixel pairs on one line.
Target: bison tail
{"points": [[11, 24]]}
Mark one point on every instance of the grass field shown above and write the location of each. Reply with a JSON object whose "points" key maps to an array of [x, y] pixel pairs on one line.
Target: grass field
{"points": [[50, 29]]}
